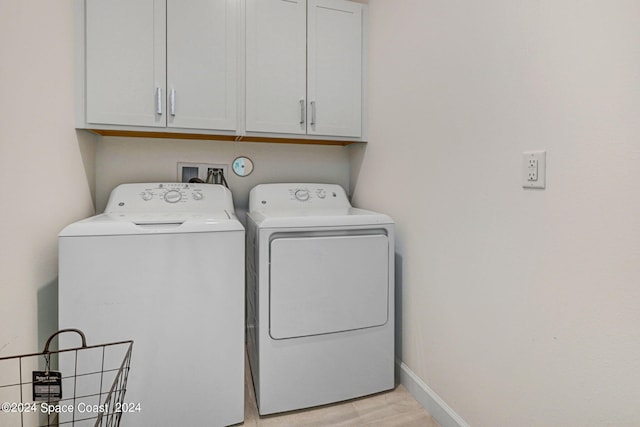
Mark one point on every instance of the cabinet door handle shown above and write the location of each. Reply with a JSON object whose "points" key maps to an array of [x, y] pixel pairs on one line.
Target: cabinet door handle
{"points": [[313, 113], [302, 118], [172, 102], [159, 101]]}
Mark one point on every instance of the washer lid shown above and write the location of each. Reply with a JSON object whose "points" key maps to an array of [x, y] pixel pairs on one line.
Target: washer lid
{"points": [[153, 223], [161, 208]]}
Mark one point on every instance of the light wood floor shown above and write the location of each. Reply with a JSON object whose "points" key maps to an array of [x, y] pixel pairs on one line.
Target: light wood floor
{"points": [[393, 408]]}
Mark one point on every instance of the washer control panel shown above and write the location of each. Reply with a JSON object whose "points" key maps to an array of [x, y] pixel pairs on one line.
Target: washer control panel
{"points": [[168, 197], [172, 193], [292, 196]]}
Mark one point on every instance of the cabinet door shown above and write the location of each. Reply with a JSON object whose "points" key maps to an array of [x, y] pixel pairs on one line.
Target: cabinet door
{"points": [[125, 62], [201, 64], [334, 70], [275, 66]]}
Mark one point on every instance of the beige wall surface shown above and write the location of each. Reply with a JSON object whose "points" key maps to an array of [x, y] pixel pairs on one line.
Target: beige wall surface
{"points": [[121, 160], [520, 307], [46, 168]]}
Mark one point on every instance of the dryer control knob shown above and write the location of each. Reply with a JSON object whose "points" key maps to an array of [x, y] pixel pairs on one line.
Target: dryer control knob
{"points": [[322, 194], [197, 195], [172, 196], [302, 195], [146, 196]]}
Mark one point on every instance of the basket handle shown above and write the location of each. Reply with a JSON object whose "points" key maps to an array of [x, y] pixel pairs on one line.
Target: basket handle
{"points": [[78, 331]]}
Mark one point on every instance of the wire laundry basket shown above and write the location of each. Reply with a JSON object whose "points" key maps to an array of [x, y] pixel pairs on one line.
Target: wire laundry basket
{"points": [[87, 389]]}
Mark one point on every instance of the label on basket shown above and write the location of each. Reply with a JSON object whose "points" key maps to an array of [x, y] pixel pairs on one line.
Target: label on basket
{"points": [[47, 386]]}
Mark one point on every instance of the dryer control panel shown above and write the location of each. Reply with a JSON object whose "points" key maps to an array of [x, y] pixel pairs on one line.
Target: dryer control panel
{"points": [[169, 197], [266, 197]]}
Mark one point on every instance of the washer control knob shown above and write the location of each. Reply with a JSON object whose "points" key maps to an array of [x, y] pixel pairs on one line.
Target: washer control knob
{"points": [[172, 196], [302, 195], [322, 194], [146, 196], [197, 195]]}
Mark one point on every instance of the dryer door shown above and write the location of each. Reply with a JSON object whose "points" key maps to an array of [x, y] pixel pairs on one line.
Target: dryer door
{"points": [[326, 284]]}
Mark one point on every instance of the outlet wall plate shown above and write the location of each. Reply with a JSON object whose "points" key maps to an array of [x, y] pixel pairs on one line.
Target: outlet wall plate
{"points": [[187, 170], [534, 169]]}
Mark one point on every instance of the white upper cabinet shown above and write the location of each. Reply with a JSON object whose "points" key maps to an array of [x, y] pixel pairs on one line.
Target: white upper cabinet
{"points": [[201, 64], [304, 67], [125, 61], [161, 63], [276, 66], [334, 68]]}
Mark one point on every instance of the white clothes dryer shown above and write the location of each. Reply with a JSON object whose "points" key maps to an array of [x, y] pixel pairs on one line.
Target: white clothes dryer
{"points": [[164, 266], [320, 290]]}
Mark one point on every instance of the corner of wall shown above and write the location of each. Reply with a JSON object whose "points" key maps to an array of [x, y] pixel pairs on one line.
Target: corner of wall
{"points": [[429, 399]]}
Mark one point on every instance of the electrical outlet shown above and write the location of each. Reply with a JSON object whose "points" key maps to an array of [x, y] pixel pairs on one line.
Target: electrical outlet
{"points": [[534, 169], [186, 171]]}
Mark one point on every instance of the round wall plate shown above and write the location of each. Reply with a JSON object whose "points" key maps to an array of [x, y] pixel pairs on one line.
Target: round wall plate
{"points": [[242, 166]]}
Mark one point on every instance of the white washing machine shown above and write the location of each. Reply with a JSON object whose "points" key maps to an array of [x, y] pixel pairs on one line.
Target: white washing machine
{"points": [[164, 266], [320, 289]]}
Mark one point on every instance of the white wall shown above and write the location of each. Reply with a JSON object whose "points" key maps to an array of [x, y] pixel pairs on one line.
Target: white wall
{"points": [[121, 160], [46, 168], [520, 307]]}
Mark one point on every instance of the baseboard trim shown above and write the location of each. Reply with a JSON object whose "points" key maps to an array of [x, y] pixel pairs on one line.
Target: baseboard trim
{"points": [[435, 406]]}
